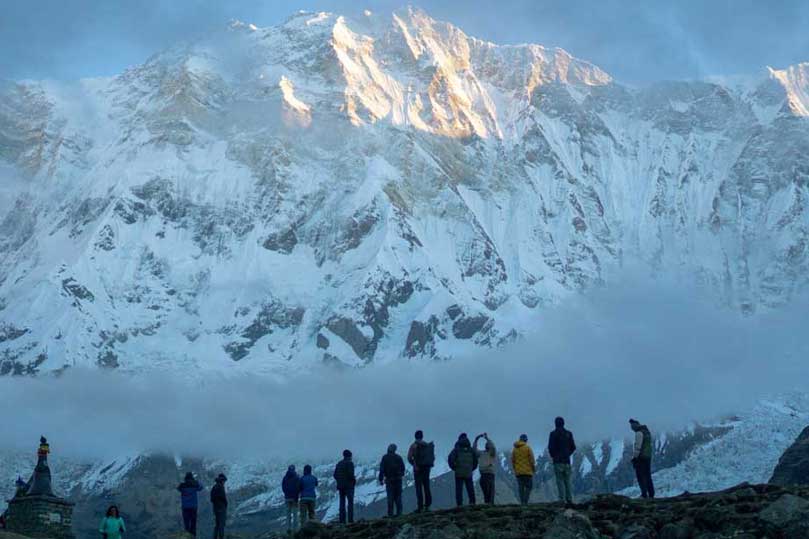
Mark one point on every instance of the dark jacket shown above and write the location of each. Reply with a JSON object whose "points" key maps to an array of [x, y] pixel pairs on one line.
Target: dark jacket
{"points": [[219, 499], [392, 467], [561, 445], [291, 485], [188, 494], [463, 460], [344, 474], [308, 487]]}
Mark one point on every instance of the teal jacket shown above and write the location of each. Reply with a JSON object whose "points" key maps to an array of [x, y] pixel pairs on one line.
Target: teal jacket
{"points": [[112, 527]]}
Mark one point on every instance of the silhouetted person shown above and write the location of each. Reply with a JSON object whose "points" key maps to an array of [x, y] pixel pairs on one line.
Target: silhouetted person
{"points": [[346, 481], [421, 456], [560, 447], [525, 466], [291, 485], [642, 458], [487, 465], [463, 461], [219, 501], [308, 495], [391, 474], [189, 502]]}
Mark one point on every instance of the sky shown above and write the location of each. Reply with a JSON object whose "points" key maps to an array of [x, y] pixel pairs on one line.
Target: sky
{"points": [[635, 41], [654, 350]]}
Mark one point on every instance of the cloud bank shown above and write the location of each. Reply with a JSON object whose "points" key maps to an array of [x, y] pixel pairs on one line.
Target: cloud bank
{"points": [[651, 350]]}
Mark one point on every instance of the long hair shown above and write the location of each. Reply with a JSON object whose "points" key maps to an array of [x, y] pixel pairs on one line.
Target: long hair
{"points": [[113, 509]]}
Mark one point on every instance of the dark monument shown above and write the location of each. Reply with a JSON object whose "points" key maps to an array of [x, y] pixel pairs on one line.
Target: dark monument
{"points": [[35, 510]]}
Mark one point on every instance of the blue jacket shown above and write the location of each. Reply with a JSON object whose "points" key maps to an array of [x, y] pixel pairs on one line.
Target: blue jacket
{"points": [[308, 487], [188, 494], [291, 486]]}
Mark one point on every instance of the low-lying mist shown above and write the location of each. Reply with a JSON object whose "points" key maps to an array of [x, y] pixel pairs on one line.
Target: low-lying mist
{"points": [[655, 351]]}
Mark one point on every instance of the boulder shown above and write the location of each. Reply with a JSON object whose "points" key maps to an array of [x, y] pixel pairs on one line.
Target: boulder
{"points": [[786, 510], [676, 530], [793, 467], [636, 531], [571, 525]]}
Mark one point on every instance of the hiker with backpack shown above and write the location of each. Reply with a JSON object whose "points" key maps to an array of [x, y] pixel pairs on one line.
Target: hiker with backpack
{"points": [[421, 456], [189, 502], [463, 461], [291, 485], [308, 489], [642, 458], [346, 481], [391, 474], [525, 466], [560, 447], [487, 464], [219, 502]]}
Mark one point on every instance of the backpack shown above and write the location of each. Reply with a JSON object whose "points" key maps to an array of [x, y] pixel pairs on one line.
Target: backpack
{"points": [[646, 447], [425, 455]]}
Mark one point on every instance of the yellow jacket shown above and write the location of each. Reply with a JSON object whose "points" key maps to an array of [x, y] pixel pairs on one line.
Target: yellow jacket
{"points": [[522, 459]]}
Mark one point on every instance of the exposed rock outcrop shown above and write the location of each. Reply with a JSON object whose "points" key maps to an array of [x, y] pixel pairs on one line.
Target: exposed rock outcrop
{"points": [[793, 468], [742, 512]]}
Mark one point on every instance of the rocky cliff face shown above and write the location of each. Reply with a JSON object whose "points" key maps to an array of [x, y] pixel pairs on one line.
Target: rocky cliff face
{"points": [[793, 466], [357, 190]]}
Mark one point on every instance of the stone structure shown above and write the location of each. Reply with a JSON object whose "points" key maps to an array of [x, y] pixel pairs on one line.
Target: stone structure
{"points": [[35, 511]]}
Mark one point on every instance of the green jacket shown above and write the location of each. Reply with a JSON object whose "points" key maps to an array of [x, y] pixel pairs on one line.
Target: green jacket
{"points": [[112, 527]]}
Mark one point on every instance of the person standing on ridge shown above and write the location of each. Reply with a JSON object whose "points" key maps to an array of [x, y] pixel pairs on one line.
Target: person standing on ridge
{"points": [[525, 466], [112, 525], [189, 502], [346, 481], [308, 490], [219, 501], [391, 473], [642, 458], [421, 456], [561, 446], [487, 464], [463, 461], [291, 485]]}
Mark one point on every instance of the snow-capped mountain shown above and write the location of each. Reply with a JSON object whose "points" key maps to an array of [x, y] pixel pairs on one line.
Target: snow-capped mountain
{"points": [[356, 190]]}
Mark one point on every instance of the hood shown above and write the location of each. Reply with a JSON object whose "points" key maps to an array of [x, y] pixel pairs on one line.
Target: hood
{"points": [[392, 449], [490, 447], [463, 443], [519, 443]]}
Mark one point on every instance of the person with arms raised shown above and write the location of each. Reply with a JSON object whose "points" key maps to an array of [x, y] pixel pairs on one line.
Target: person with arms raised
{"points": [[487, 465]]}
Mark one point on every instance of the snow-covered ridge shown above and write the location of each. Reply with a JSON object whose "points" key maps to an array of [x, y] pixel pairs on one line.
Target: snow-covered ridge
{"points": [[795, 80], [352, 190]]}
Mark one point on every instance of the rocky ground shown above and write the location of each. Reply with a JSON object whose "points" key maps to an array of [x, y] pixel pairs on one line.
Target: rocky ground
{"points": [[743, 512]]}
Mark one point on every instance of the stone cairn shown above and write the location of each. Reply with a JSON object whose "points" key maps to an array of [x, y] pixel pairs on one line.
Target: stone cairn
{"points": [[35, 511]]}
